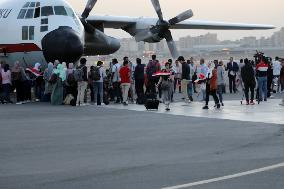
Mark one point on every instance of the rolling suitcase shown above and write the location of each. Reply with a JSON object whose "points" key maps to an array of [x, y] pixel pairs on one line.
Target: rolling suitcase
{"points": [[152, 104]]}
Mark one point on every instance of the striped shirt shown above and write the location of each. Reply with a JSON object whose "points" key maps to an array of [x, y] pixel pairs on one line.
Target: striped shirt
{"points": [[261, 69]]}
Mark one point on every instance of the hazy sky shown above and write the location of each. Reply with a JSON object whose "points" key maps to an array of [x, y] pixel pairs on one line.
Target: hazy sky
{"points": [[244, 11]]}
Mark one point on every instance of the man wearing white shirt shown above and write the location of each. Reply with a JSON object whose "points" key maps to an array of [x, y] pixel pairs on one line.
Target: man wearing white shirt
{"points": [[116, 81], [276, 73]]}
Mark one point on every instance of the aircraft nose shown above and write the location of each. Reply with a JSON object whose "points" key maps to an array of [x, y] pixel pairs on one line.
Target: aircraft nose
{"points": [[63, 44]]}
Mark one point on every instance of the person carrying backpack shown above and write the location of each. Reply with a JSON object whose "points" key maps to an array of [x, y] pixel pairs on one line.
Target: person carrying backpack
{"points": [[81, 76], [152, 67], [97, 76]]}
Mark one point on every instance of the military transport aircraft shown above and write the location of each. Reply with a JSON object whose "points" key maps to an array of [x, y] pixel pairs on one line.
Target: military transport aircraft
{"points": [[47, 30]]}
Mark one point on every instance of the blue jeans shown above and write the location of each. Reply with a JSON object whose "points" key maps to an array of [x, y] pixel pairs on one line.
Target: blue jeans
{"points": [[220, 92], [98, 89], [190, 88], [262, 87]]}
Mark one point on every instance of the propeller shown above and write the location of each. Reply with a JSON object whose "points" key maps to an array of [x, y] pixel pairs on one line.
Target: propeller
{"points": [[157, 7], [162, 28], [171, 44], [89, 6]]}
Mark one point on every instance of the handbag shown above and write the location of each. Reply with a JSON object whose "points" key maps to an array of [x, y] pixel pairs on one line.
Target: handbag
{"points": [[68, 99]]}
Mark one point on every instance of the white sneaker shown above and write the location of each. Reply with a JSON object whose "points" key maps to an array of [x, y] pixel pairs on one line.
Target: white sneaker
{"points": [[37, 100], [19, 103]]}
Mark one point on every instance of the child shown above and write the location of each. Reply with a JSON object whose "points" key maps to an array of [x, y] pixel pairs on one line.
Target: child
{"points": [[166, 84]]}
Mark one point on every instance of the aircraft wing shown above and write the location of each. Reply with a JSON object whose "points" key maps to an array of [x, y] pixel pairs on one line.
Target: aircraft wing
{"points": [[212, 25], [118, 22]]}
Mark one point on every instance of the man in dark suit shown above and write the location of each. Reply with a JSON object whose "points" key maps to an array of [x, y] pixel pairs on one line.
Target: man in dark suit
{"points": [[232, 68]]}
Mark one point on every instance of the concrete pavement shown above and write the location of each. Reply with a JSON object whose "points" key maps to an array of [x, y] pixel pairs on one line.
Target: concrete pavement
{"points": [[42, 146]]}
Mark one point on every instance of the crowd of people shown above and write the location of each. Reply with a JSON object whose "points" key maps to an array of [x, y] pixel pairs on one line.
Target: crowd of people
{"points": [[67, 83]]}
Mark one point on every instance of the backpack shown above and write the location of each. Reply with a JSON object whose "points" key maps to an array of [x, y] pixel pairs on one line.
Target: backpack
{"points": [[152, 69], [78, 74], [95, 74]]}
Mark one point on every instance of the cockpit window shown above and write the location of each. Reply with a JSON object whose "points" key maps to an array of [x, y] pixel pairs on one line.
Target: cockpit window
{"points": [[29, 10], [60, 10], [37, 12], [70, 12], [33, 10], [26, 5], [47, 11], [30, 13], [22, 14], [33, 4]]}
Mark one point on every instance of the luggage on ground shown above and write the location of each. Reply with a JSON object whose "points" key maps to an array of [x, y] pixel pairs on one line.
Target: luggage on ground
{"points": [[152, 104]]}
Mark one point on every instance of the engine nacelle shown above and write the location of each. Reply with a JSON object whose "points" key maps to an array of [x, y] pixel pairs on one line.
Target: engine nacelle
{"points": [[155, 38], [98, 43]]}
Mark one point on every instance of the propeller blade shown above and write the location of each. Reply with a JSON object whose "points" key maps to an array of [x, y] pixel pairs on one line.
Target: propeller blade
{"points": [[181, 17], [157, 7], [171, 44], [143, 35], [90, 5]]}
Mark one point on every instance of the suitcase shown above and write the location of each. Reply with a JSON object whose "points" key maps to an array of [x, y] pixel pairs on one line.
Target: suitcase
{"points": [[152, 104]]}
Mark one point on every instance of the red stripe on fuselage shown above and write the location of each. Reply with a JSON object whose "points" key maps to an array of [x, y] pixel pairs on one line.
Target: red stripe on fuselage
{"points": [[23, 47]]}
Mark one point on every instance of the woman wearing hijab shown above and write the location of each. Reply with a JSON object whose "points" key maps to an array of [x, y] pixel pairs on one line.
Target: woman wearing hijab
{"points": [[6, 84], [47, 85], [71, 83], [57, 88], [18, 75], [56, 62], [70, 69]]}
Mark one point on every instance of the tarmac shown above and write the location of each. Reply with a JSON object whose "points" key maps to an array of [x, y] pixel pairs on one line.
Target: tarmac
{"points": [[58, 147]]}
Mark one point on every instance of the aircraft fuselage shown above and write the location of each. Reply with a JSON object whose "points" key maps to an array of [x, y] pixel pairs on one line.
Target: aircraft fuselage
{"points": [[32, 31]]}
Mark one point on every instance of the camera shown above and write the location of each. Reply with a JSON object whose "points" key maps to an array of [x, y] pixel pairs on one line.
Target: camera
{"points": [[260, 56]]}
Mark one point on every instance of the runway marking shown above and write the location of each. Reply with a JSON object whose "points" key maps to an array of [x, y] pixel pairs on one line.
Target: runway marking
{"points": [[254, 171]]}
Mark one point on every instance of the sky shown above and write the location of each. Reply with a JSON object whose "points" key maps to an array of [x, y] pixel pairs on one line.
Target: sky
{"points": [[242, 11]]}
